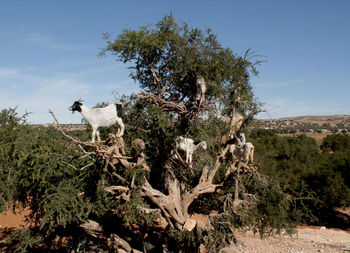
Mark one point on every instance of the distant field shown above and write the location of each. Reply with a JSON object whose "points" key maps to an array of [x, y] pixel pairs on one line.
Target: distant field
{"points": [[318, 137]]}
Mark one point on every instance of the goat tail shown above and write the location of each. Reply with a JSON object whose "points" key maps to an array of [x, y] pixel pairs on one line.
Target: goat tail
{"points": [[119, 108]]}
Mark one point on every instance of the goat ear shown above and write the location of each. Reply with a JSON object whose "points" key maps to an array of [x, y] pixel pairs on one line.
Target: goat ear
{"points": [[80, 100]]}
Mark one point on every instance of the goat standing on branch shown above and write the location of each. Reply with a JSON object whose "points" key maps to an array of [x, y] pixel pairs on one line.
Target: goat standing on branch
{"points": [[201, 89], [245, 150], [189, 146], [100, 117]]}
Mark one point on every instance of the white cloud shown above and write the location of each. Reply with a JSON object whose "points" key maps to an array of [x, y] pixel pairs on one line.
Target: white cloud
{"points": [[37, 89], [51, 93], [4, 72], [279, 84], [64, 87], [50, 42]]}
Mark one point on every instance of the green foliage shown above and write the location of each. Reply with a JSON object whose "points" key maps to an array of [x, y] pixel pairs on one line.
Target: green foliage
{"points": [[312, 179], [64, 205], [262, 206], [273, 212], [25, 239], [331, 180], [290, 159], [10, 126], [220, 237], [259, 133], [40, 169], [336, 142], [214, 240], [177, 54], [189, 240]]}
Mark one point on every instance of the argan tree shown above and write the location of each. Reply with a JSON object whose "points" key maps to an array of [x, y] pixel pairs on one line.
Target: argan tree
{"points": [[136, 192]]}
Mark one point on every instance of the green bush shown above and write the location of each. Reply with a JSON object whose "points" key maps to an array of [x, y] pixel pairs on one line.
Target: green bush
{"points": [[336, 142]]}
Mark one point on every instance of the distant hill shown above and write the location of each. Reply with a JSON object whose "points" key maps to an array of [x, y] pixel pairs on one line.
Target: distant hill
{"points": [[310, 123], [300, 124], [65, 127]]}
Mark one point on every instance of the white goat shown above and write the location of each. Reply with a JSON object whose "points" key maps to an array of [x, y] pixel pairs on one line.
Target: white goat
{"points": [[244, 150], [201, 89], [189, 146], [240, 138], [100, 117]]}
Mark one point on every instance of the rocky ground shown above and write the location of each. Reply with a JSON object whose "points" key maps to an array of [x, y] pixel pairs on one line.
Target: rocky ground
{"points": [[306, 240]]}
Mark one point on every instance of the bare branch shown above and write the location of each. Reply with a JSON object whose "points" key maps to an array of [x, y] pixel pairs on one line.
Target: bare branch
{"points": [[124, 192], [156, 80], [140, 129], [75, 140], [70, 165], [86, 166], [164, 105]]}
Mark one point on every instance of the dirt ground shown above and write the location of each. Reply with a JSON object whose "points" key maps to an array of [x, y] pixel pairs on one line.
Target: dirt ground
{"points": [[9, 219], [307, 239]]}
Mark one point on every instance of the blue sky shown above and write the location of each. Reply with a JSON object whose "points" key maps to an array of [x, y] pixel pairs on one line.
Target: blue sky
{"points": [[49, 51]]}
